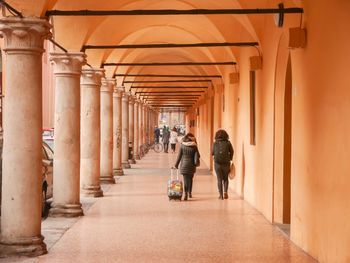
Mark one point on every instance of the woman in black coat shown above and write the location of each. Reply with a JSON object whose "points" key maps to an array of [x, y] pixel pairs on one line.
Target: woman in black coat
{"points": [[223, 153], [187, 156]]}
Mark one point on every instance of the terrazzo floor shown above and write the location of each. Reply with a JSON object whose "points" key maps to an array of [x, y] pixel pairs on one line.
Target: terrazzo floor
{"points": [[135, 222]]}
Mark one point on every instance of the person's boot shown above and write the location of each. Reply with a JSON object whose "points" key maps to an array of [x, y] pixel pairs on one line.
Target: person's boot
{"points": [[225, 195], [221, 196], [186, 197], [190, 195]]}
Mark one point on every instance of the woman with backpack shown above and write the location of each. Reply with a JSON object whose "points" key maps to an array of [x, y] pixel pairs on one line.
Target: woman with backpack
{"points": [[189, 157], [223, 153]]}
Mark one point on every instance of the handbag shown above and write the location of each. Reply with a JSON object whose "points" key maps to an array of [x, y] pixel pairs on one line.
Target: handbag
{"points": [[197, 161], [232, 173]]}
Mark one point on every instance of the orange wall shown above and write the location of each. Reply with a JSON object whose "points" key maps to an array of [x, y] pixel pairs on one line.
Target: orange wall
{"points": [[321, 145], [320, 182]]}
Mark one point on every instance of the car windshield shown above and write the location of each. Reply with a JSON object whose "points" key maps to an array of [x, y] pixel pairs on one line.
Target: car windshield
{"points": [[48, 151]]}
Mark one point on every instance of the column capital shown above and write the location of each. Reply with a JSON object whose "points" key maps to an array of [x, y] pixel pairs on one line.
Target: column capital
{"points": [[24, 34], [126, 96], [92, 77], [108, 85], [118, 91], [132, 99], [66, 64]]}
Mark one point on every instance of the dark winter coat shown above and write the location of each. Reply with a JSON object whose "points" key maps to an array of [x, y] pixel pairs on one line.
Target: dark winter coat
{"points": [[186, 156], [166, 136]]}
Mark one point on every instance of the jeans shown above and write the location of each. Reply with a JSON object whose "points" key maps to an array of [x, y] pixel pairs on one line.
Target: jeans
{"points": [[222, 171], [188, 181], [173, 145]]}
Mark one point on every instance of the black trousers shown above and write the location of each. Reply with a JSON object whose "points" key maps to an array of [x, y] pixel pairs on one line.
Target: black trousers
{"points": [[188, 181], [166, 147], [173, 145], [222, 171]]}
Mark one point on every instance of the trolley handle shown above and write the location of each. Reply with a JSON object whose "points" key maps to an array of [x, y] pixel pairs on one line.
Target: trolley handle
{"points": [[172, 173]]}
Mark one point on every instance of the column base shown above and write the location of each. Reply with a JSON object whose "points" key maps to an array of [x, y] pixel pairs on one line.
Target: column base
{"points": [[126, 165], [29, 246], [132, 161], [107, 179], [66, 210], [118, 172], [92, 191]]}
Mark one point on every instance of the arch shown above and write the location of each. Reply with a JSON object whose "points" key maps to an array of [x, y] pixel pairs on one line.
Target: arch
{"points": [[282, 134]]}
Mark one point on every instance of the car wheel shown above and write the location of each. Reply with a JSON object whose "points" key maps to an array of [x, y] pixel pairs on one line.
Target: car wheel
{"points": [[43, 204]]}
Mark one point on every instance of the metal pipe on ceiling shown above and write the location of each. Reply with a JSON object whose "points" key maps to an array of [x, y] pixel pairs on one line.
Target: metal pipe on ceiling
{"points": [[168, 81], [172, 45], [167, 76], [152, 64], [161, 12]]}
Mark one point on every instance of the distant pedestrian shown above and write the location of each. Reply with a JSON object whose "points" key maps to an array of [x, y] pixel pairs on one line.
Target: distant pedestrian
{"points": [[173, 139], [156, 134], [223, 153], [166, 137], [189, 158]]}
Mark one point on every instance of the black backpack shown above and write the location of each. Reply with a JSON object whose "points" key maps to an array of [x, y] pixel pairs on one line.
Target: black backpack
{"points": [[222, 152]]}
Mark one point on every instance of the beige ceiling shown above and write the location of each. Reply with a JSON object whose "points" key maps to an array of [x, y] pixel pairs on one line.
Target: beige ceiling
{"points": [[74, 32]]}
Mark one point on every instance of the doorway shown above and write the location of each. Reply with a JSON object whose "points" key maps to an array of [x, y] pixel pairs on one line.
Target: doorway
{"points": [[282, 144]]}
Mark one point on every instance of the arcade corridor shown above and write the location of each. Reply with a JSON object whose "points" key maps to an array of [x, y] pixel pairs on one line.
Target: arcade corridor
{"points": [[135, 222]]}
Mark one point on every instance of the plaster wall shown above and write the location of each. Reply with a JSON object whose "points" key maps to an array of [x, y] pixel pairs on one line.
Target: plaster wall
{"points": [[320, 141]]}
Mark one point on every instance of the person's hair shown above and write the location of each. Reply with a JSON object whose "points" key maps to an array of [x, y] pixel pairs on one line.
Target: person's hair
{"points": [[221, 134], [189, 137], [174, 129]]}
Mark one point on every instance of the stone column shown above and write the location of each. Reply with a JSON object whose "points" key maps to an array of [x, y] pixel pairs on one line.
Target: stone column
{"points": [[106, 169], [90, 132], [141, 124], [131, 126], [125, 131], [117, 130], [136, 131], [170, 120], [146, 125], [66, 166], [22, 148]]}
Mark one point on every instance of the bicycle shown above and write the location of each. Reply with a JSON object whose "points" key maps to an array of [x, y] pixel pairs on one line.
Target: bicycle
{"points": [[157, 147]]}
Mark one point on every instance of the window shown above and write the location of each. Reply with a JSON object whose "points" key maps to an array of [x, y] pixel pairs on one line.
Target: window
{"points": [[252, 108]]}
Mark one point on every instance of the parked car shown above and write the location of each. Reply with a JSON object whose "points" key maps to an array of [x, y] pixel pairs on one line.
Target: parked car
{"points": [[47, 175], [48, 136]]}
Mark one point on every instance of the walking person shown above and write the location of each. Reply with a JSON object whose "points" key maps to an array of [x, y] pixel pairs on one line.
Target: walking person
{"points": [[223, 153], [156, 134], [189, 158], [173, 139], [166, 137]]}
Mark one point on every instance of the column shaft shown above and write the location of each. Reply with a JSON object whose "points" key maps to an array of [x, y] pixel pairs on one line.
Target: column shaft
{"points": [[106, 168], [136, 131], [90, 132], [66, 172], [125, 131], [22, 148], [117, 130], [131, 128]]}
